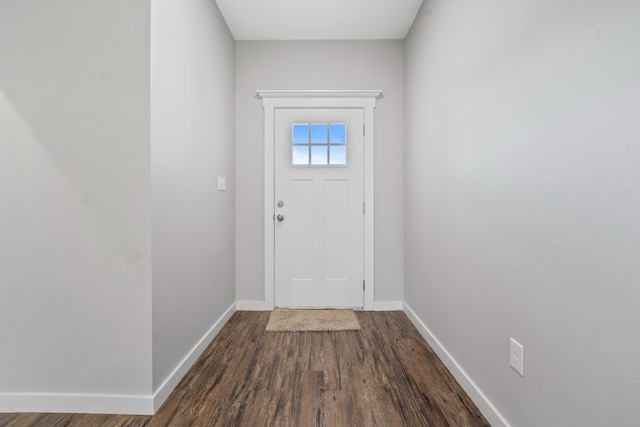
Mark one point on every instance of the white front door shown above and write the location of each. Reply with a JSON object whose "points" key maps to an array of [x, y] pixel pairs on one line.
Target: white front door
{"points": [[319, 207]]}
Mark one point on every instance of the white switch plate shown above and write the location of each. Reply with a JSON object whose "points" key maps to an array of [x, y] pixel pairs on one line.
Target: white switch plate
{"points": [[222, 183], [516, 356]]}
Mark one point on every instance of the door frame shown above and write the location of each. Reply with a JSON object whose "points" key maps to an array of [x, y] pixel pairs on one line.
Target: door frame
{"points": [[280, 99]]}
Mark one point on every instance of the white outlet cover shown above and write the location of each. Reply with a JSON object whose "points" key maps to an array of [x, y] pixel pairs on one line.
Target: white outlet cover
{"points": [[516, 356], [222, 183]]}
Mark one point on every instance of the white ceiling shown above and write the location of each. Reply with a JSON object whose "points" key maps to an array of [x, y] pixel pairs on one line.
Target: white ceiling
{"points": [[319, 19]]}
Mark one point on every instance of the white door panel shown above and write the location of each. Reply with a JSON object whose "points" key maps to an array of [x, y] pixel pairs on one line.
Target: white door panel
{"points": [[319, 253]]}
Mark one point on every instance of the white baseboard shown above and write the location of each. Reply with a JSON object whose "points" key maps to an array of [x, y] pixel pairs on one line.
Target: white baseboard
{"points": [[112, 404], [387, 305], [262, 306], [183, 367], [490, 412], [76, 403], [253, 306]]}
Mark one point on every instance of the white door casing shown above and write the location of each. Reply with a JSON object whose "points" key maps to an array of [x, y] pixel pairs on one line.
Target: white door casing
{"points": [[319, 240], [273, 102]]}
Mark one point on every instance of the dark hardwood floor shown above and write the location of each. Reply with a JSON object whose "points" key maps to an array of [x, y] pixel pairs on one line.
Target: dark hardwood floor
{"points": [[384, 375]]}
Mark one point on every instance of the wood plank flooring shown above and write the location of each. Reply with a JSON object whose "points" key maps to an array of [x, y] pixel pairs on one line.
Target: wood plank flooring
{"points": [[384, 375]]}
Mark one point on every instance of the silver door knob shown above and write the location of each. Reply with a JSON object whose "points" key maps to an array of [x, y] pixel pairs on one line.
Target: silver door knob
{"points": [[280, 217]]}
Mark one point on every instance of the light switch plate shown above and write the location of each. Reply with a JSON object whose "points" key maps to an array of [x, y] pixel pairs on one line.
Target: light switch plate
{"points": [[222, 183], [516, 356]]}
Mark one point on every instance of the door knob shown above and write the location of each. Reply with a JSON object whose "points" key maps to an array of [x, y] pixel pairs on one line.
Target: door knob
{"points": [[280, 203], [280, 217]]}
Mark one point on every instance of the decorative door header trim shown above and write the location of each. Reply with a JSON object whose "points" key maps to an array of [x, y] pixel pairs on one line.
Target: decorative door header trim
{"points": [[319, 93]]}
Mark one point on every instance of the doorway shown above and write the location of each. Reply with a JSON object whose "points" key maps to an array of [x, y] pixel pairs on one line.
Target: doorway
{"points": [[319, 198]]}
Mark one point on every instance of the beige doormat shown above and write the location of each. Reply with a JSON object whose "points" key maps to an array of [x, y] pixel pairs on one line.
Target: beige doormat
{"points": [[312, 320]]}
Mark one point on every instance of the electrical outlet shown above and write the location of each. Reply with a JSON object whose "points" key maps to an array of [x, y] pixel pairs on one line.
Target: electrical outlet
{"points": [[516, 356], [222, 183]]}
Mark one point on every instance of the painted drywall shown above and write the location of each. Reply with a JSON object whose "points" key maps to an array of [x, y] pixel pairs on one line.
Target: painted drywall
{"points": [[319, 65], [192, 143], [75, 267], [522, 201]]}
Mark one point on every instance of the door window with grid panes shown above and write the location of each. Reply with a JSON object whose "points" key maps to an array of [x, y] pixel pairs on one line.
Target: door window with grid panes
{"points": [[319, 144]]}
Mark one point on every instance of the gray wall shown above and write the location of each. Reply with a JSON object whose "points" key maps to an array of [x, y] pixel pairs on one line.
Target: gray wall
{"points": [[192, 142], [75, 260], [84, 158], [522, 199], [319, 65]]}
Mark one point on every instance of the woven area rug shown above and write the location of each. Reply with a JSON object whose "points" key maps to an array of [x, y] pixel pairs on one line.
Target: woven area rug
{"points": [[312, 320]]}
